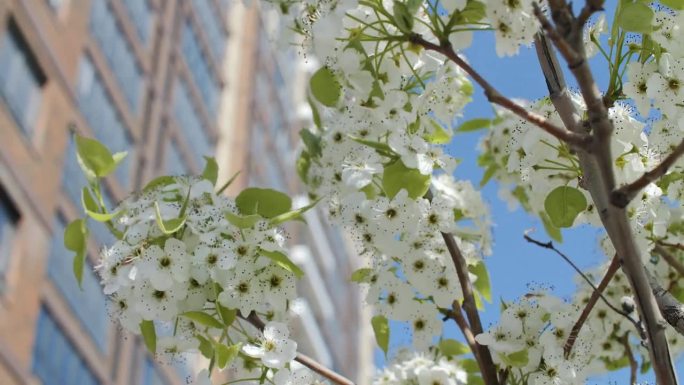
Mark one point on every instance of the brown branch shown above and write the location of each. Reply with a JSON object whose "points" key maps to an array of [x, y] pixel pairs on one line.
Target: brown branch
{"points": [[599, 179], [494, 96], [485, 361], [633, 365], [669, 258], [303, 359], [590, 7], [607, 277], [456, 314], [549, 245], [622, 196]]}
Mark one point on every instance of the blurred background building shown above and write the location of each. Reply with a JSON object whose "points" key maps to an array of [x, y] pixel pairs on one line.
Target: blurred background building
{"points": [[168, 81]]}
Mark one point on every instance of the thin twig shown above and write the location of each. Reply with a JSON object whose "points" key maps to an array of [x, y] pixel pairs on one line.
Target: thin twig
{"points": [[610, 273], [494, 96], [456, 314], [481, 352], [303, 359], [549, 245], [633, 365], [670, 259], [622, 196]]}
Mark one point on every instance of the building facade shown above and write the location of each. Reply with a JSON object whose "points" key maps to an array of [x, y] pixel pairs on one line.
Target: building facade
{"points": [[168, 81]]}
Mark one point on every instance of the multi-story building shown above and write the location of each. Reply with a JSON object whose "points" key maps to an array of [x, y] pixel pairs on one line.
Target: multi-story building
{"points": [[168, 81]]}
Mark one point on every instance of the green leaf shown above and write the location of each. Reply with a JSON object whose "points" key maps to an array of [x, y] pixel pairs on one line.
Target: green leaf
{"points": [[674, 4], [482, 284], [75, 239], [564, 204], [439, 134], [266, 202], [325, 87], [92, 209], [119, 157], [361, 275], [303, 165], [612, 365], [159, 182], [488, 174], [94, 157], [474, 125], [469, 365], [210, 172], [203, 318], [402, 17], [450, 347], [294, 214], [149, 335], [205, 347], [474, 379], [553, 231], [226, 354], [383, 147], [243, 222], [228, 183], [283, 261], [635, 17], [315, 115], [311, 141], [382, 332], [397, 176], [473, 12], [169, 226], [227, 315], [516, 359]]}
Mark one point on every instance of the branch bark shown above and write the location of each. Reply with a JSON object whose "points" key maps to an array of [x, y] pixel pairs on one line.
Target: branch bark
{"points": [[595, 295], [670, 259], [599, 179]]}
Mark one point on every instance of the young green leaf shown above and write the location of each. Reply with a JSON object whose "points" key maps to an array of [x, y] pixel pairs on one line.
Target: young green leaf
{"points": [[553, 231], [674, 4], [397, 176], [149, 335], [75, 239], [283, 261], [206, 347], [203, 318], [564, 204], [482, 284], [439, 134], [210, 172], [227, 315], [311, 142], [242, 222], [169, 226], [325, 87], [474, 125], [159, 182], [402, 17], [361, 275], [635, 17], [303, 165], [226, 354], [266, 202], [94, 157], [516, 359], [382, 332], [450, 347], [293, 215], [92, 209]]}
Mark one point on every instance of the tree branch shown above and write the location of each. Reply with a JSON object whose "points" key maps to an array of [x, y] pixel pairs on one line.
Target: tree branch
{"points": [[303, 359], [671, 309], [610, 273], [633, 365], [599, 179], [494, 96], [456, 314], [669, 258], [549, 245], [622, 196]]}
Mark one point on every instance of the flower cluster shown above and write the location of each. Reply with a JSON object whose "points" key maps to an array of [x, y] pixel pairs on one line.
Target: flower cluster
{"points": [[189, 257], [411, 368]]}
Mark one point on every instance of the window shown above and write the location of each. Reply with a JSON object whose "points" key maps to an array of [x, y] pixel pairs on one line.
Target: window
{"points": [[9, 218], [142, 15], [55, 359], [174, 163], [20, 78], [210, 20], [190, 123], [98, 110], [199, 67], [89, 304], [109, 35]]}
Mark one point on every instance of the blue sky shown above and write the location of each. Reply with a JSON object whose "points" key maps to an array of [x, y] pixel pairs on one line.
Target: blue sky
{"points": [[514, 263]]}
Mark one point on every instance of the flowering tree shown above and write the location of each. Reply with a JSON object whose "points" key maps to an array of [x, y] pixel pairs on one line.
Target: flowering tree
{"points": [[388, 96]]}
